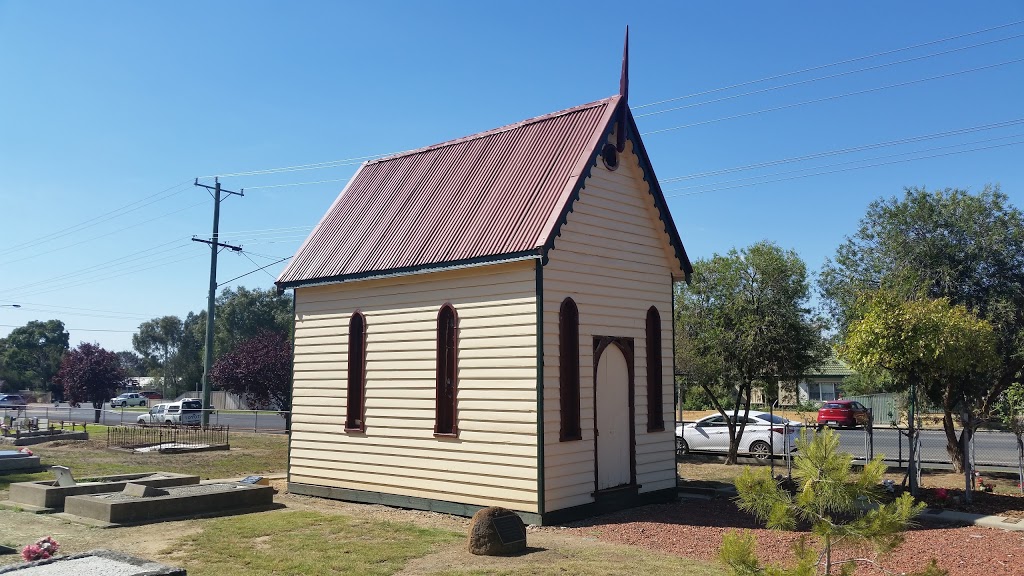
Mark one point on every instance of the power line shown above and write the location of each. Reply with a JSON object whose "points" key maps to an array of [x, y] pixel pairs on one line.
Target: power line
{"points": [[147, 253], [110, 277], [829, 77], [823, 66], [118, 231], [87, 309], [359, 159], [297, 184], [299, 167], [836, 97], [841, 170], [89, 314], [97, 219], [78, 329], [253, 271], [836, 152], [850, 162]]}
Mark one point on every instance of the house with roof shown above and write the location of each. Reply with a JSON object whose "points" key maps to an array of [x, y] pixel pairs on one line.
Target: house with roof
{"points": [[822, 383], [488, 322]]}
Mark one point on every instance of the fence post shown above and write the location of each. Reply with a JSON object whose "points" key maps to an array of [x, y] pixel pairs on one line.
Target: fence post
{"points": [[256, 419]]}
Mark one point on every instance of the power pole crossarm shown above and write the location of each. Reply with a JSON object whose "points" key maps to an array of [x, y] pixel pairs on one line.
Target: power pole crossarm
{"points": [[215, 244]]}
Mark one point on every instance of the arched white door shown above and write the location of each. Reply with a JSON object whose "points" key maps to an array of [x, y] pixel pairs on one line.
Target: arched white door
{"points": [[613, 434]]}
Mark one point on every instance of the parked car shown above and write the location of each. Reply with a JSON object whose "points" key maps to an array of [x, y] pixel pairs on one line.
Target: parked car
{"points": [[843, 414], [13, 401], [760, 438], [188, 412], [154, 417], [152, 394], [128, 399], [770, 418]]}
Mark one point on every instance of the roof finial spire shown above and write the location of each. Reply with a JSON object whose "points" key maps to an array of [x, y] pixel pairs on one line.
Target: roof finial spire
{"points": [[620, 140]]}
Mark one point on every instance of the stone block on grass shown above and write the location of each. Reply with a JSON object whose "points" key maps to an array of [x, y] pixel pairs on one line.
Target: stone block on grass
{"points": [[496, 531]]}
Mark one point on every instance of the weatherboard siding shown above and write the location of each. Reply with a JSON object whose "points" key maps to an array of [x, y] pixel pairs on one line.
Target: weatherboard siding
{"points": [[493, 461], [612, 258]]}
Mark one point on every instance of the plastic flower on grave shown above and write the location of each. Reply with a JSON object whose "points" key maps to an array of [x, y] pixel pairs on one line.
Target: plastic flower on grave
{"points": [[31, 552], [941, 493], [25, 451], [44, 548]]}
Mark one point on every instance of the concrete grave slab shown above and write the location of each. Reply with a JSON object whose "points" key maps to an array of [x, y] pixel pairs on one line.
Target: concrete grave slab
{"points": [[216, 498], [47, 497], [105, 562], [15, 461]]}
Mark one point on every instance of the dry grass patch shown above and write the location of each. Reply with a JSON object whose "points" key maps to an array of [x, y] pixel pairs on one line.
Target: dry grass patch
{"points": [[302, 543], [249, 454]]}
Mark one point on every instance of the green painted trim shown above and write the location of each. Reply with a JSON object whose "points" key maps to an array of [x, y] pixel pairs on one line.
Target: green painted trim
{"points": [[291, 396], [609, 505], [540, 387], [659, 197], [409, 270], [398, 501]]}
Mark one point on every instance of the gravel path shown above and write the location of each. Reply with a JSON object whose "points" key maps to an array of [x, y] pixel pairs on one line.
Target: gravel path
{"points": [[694, 529]]}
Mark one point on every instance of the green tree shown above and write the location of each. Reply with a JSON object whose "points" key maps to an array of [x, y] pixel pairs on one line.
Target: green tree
{"points": [[951, 244], [1013, 419], [925, 344], [91, 374], [188, 361], [744, 320], [243, 314], [133, 364], [31, 354], [157, 341], [870, 380], [842, 509]]}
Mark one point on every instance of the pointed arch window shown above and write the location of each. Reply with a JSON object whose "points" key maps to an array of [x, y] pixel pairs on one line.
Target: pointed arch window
{"points": [[447, 372], [655, 406], [569, 370], [356, 398]]}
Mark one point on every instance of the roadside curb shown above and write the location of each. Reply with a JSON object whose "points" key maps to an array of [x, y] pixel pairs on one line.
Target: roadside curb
{"points": [[940, 516]]}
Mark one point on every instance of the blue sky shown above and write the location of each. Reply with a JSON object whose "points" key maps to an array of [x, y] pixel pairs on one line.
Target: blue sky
{"points": [[109, 111]]}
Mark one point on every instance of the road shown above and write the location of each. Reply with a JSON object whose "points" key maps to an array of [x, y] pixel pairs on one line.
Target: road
{"points": [[990, 448], [236, 420]]}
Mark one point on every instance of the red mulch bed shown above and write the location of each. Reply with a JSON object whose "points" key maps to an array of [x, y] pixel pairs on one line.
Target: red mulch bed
{"points": [[694, 529]]}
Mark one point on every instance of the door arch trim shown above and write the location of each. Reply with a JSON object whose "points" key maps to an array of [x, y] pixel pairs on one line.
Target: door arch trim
{"points": [[625, 345]]}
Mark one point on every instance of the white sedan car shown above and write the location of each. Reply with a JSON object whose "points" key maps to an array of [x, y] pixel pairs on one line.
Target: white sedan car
{"points": [[763, 435]]}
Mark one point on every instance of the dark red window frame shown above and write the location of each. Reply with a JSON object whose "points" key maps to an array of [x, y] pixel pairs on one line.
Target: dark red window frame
{"points": [[447, 387], [569, 370], [655, 403], [355, 416]]}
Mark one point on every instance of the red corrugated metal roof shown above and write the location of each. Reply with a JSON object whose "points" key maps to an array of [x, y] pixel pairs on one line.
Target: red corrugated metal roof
{"points": [[490, 196]]}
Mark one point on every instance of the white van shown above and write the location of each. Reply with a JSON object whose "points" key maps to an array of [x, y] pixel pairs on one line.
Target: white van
{"points": [[188, 412]]}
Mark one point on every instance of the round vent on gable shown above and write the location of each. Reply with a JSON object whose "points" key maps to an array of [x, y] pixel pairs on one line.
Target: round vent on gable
{"points": [[610, 156]]}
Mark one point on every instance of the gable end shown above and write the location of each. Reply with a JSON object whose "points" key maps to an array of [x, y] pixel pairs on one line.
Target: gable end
{"points": [[632, 134]]}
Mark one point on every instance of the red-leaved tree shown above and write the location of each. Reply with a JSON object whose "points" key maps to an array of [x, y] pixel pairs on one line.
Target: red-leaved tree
{"points": [[90, 374], [260, 371]]}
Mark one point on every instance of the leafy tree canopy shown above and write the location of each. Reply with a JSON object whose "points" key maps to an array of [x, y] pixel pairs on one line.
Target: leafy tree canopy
{"points": [[944, 349], [132, 363], [966, 248], [243, 314], [259, 370], [90, 373], [745, 319], [30, 355]]}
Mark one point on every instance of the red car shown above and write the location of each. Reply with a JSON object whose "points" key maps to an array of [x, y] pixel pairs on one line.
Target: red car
{"points": [[843, 414]]}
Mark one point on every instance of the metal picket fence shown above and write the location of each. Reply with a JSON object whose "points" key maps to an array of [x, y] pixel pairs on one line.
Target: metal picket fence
{"points": [[167, 437]]}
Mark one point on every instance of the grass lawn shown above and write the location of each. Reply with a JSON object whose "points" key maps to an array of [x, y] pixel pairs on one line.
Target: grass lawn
{"points": [[303, 543], [249, 454]]}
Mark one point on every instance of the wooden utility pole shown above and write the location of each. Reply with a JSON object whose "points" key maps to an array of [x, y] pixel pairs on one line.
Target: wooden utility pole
{"points": [[215, 246]]}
